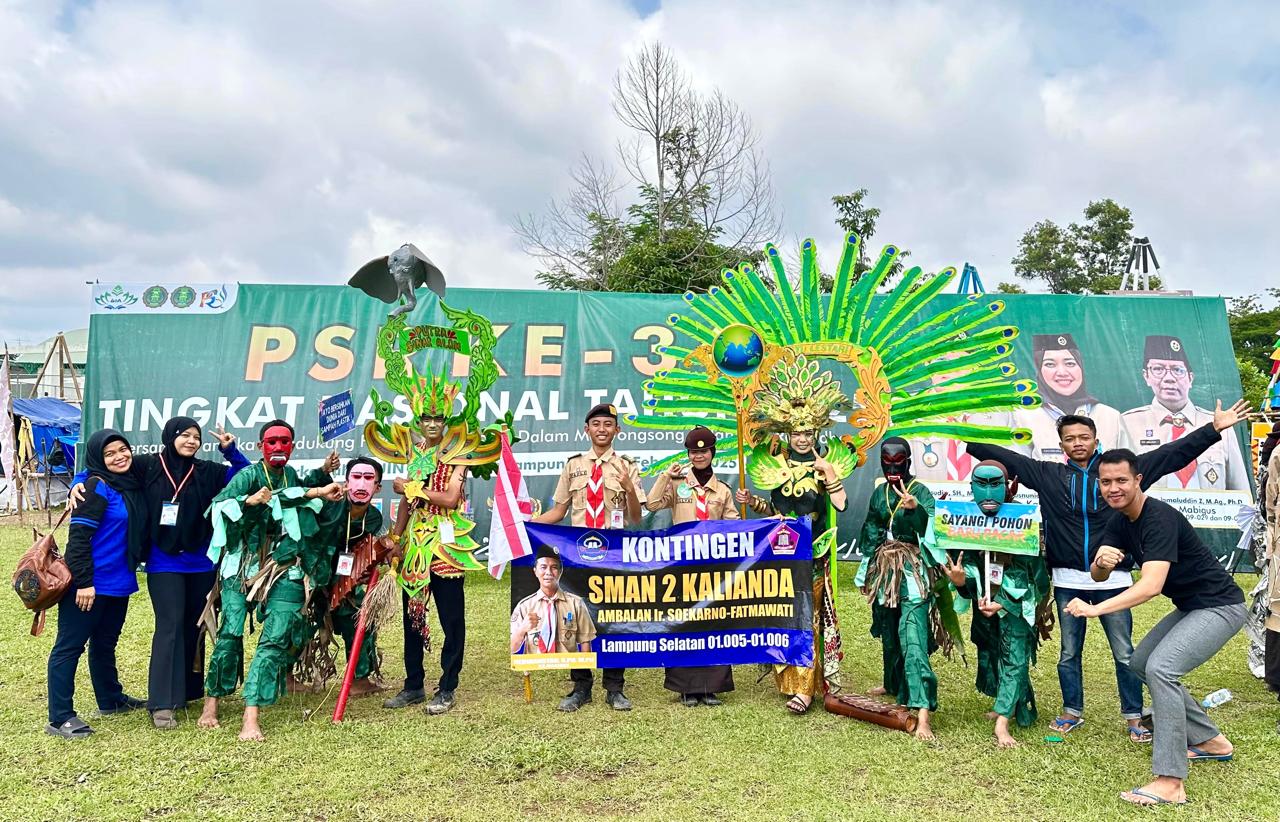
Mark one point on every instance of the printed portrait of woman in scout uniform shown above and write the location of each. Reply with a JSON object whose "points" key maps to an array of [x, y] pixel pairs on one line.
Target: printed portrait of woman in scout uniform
{"points": [[1060, 377]]}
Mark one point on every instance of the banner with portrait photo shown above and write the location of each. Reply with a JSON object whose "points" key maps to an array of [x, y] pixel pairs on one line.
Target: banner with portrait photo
{"points": [[719, 592]]}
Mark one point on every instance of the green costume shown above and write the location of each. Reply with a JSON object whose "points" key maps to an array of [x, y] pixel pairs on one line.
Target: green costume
{"points": [[1006, 642], [267, 555], [346, 614], [901, 601]]}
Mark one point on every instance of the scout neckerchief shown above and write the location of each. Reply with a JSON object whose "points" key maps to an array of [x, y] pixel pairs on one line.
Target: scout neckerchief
{"points": [[546, 636], [700, 502], [1179, 424], [595, 495]]}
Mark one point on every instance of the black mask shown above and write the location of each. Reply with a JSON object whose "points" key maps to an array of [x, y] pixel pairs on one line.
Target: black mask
{"points": [[895, 460]]}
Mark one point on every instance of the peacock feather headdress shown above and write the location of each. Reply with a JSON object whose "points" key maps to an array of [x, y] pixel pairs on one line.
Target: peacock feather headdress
{"points": [[799, 396], [918, 368]]}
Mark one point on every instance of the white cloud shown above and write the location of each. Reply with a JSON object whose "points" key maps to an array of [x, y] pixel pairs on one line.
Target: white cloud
{"points": [[290, 141]]}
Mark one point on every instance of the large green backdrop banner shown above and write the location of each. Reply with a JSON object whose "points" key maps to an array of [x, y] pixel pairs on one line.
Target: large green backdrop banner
{"points": [[238, 356]]}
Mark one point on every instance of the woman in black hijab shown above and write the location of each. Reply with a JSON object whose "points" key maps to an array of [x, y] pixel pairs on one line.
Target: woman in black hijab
{"points": [[107, 539], [179, 489]]}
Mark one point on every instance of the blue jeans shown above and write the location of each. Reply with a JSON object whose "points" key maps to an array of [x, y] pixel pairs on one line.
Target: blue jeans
{"points": [[1119, 629]]}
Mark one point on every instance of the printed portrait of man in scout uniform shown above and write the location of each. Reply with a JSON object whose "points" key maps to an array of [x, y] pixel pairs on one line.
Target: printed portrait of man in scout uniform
{"points": [[1171, 414]]}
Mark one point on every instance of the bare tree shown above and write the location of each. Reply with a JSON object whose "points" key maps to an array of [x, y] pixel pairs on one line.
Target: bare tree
{"points": [[694, 159]]}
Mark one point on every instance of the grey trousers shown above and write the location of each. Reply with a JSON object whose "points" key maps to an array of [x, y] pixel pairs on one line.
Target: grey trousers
{"points": [[1180, 643]]}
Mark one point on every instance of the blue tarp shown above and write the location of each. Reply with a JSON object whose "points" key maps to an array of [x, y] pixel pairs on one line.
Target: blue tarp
{"points": [[55, 425]]}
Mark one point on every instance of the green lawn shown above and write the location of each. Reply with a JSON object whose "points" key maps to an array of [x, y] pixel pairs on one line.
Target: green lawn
{"points": [[496, 758]]}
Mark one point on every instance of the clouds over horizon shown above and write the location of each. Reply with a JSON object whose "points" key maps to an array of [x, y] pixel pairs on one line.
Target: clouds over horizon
{"points": [[290, 142]]}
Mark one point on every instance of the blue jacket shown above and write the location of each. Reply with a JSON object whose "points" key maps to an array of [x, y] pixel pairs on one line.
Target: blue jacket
{"points": [[1073, 513], [97, 546]]}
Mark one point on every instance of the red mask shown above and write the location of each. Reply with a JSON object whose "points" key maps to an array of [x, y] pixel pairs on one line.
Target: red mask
{"points": [[277, 446]]}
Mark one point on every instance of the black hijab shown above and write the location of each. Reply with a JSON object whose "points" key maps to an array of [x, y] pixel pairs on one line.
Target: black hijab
{"points": [[127, 485], [192, 530]]}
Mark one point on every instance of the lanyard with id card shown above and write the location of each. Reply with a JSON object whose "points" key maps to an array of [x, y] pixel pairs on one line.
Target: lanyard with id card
{"points": [[169, 510]]}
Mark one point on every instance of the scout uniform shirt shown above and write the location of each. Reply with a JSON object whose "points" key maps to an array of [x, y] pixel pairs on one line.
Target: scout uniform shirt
{"points": [[1220, 468], [1043, 422], [687, 497], [602, 505], [938, 458], [571, 627]]}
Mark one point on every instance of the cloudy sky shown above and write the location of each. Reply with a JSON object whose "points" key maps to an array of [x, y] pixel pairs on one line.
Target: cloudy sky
{"points": [[218, 140]]}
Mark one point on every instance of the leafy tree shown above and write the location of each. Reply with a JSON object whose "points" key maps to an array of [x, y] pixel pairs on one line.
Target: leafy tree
{"points": [[1253, 328], [1088, 257], [854, 213], [1010, 288], [1253, 381]]}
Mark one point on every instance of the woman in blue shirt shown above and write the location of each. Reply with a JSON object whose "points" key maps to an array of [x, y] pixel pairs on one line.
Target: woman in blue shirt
{"points": [[106, 541], [180, 574]]}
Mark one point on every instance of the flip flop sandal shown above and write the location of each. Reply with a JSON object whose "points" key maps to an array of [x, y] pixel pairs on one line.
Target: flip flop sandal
{"points": [[1139, 735], [73, 728], [1155, 800], [797, 705], [164, 720], [1066, 726], [1198, 754]]}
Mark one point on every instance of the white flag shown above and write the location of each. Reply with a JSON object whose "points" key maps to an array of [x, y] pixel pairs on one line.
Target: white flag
{"points": [[512, 506], [6, 426]]}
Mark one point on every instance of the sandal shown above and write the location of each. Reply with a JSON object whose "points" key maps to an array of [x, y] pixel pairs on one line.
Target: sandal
{"points": [[73, 728], [797, 705], [1138, 796], [1066, 726], [1195, 754], [1140, 735], [164, 720]]}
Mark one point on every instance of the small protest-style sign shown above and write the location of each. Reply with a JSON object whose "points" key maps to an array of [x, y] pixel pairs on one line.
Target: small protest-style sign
{"points": [[337, 416], [961, 526]]}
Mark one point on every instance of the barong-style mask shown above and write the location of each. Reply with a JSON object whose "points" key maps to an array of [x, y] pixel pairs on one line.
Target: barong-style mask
{"points": [[990, 485], [895, 460], [362, 483], [277, 445]]}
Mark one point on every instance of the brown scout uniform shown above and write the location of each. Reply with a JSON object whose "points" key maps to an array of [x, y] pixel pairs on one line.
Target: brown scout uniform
{"points": [[572, 488], [573, 621]]}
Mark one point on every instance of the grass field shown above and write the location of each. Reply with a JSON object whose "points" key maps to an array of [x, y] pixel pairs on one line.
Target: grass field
{"points": [[494, 757]]}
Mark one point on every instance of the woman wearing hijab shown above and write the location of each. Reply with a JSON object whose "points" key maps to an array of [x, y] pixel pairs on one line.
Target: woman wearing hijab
{"points": [[107, 539], [1060, 377], [179, 489]]}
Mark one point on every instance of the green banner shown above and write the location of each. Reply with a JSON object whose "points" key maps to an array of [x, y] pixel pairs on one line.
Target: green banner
{"points": [[252, 353]]}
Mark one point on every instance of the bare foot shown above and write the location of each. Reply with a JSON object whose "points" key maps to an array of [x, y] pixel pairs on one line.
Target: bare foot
{"points": [[250, 731], [878, 690], [1218, 746], [1165, 787], [923, 731], [1003, 738], [209, 716], [365, 686], [992, 715], [296, 687]]}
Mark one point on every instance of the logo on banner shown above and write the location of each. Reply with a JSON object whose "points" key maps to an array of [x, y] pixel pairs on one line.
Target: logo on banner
{"points": [[115, 299], [155, 296], [592, 547], [783, 540], [184, 296], [214, 299]]}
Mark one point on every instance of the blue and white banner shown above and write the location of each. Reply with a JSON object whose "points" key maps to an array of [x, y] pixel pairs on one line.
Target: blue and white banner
{"points": [[729, 592]]}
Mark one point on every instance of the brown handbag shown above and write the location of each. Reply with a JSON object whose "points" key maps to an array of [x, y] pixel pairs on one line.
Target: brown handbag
{"points": [[42, 576]]}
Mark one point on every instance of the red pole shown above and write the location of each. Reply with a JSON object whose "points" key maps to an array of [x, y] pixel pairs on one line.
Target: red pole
{"points": [[347, 678]]}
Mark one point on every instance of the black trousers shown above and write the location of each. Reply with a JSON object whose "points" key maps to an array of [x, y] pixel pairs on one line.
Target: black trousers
{"points": [[177, 600], [613, 678], [1271, 673], [451, 609], [99, 628]]}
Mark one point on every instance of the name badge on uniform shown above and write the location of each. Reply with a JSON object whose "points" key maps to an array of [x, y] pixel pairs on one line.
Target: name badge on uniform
{"points": [[446, 532], [616, 519], [169, 513], [346, 564], [684, 491], [996, 574]]}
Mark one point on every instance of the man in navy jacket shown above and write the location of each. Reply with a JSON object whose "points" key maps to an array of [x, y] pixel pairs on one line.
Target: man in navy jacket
{"points": [[1074, 515]]}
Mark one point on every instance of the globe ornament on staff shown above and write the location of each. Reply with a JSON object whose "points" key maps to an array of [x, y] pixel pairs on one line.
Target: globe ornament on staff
{"points": [[738, 351]]}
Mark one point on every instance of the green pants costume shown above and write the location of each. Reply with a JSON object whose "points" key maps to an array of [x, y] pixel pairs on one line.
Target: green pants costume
{"points": [[226, 663], [280, 638], [906, 643], [345, 617], [1006, 648]]}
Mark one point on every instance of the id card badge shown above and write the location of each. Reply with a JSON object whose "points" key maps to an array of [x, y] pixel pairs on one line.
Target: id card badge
{"points": [[616, 518], [346, 564], [169, 513], [446, 532], [996, 574]]}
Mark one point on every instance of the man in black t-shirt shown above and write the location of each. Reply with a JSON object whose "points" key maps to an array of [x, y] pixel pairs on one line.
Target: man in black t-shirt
{"points": [[1209, 610]]}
